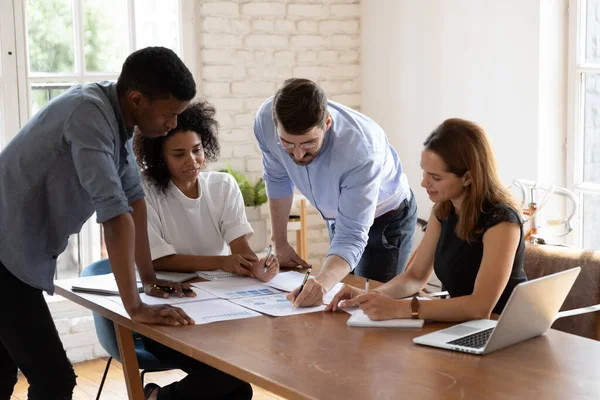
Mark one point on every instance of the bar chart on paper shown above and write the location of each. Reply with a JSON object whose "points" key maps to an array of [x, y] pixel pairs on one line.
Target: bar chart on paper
{"points": [[204, 312], [276, 305], [235, 288]]}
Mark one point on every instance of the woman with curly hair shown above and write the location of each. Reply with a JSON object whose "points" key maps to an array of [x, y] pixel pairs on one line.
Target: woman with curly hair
{"points": [[196, 220]]}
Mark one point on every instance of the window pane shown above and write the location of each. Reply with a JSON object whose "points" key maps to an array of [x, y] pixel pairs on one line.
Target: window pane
{"points": [[42, 93], [68, 263], [591, 128], [157, 23], [591, 221], [106, 35], [50, 36]]}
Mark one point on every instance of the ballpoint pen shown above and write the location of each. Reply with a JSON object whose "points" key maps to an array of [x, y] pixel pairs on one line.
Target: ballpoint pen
{"points": [[367, 286], [269, 249], [301, 287]]}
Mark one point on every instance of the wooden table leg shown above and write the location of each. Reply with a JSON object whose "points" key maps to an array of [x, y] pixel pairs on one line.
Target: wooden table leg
{"points": [[131, 369]]}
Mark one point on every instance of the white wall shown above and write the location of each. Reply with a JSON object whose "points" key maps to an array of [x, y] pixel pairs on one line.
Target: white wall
{"points": [[484, 60]]}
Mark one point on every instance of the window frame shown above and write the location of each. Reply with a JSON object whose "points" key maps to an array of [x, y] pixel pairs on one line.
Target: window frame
{"points": [[14, 31], [577, 67]]}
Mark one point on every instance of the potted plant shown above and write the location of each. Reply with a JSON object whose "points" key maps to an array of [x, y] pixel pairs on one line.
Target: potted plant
{"points": [[255, 195]]}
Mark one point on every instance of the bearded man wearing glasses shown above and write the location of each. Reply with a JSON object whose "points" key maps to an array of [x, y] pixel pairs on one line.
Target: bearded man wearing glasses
{"points": [[341, 161]]}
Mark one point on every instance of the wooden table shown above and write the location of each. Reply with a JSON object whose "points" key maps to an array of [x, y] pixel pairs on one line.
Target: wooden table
{"points": [[316, 356]]}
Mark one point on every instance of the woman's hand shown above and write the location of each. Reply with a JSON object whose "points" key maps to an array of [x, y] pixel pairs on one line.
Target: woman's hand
{"points": [[266, 269], [347, 293], [379, 307]]}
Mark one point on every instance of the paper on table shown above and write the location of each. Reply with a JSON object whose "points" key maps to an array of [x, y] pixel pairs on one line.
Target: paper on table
{"points": [[358, 318], [276, 305], [171, 276], [332, 292], [287, 281], [201, 295], [98, 284], [236, 287], [216, 274], [204, 312]]}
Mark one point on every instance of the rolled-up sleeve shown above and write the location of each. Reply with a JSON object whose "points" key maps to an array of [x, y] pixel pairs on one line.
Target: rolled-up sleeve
{"points": [[92, 144], [277, 180], [356, 211]]}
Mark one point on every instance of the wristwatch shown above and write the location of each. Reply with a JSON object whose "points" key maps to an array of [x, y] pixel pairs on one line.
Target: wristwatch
{"points": [[414, 305]]}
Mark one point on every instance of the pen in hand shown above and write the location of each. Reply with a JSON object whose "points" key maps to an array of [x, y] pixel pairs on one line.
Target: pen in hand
{"points": [[367, 286], [301, 287], [269, 249]]}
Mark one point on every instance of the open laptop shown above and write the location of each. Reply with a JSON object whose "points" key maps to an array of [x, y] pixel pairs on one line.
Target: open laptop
{"points": [[529, 312]]}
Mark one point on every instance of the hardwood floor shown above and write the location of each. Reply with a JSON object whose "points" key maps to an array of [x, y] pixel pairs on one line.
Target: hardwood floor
{"points": [[89, 375]]}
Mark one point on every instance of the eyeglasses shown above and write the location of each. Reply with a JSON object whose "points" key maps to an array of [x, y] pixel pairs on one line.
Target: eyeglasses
{"points": [[304, 146]]}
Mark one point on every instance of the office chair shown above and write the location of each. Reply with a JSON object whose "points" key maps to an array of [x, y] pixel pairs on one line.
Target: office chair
{"points": [[108, 339]]}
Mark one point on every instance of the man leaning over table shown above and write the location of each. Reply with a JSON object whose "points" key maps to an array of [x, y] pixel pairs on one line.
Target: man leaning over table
{"points": [[341, 161]]}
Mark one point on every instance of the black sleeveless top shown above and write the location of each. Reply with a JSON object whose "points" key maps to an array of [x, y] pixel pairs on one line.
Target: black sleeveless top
{"points": [[457, 263]]}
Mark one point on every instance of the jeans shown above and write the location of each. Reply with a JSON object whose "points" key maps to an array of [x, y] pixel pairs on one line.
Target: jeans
{"points": [[202, 381], [390, 242], [29, 341]]}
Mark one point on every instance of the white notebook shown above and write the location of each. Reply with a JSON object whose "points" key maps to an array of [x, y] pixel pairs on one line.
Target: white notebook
{"points": [[216, 274], [359, 318]]}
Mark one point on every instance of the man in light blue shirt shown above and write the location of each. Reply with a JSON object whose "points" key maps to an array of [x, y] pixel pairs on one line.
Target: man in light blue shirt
{"points": [[341, 161]]}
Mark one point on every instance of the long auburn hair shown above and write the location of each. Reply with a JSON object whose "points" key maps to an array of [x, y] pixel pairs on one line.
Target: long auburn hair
{"points": [[464, 147]]}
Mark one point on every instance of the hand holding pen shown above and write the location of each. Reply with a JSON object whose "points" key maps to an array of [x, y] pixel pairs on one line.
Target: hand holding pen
{"points": [[165, 289], [266, 268]]}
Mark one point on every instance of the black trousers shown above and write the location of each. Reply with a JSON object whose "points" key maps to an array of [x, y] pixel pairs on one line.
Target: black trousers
{"points": [[203, 382], [29, 341]]}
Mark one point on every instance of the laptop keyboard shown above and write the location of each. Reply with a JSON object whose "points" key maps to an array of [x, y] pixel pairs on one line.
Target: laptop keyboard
{"points": [[474, 341]]}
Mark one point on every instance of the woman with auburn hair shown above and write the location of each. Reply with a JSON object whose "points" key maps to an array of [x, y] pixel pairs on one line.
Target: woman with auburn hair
{"points": [[474, 239]]}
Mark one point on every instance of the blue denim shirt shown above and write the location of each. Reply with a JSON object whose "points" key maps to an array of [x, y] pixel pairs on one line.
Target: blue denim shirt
{"points": [[356, 176], [73, 158]]}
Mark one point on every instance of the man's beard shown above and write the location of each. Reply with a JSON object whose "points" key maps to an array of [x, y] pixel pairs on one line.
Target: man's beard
{"points": [[305, 160]]}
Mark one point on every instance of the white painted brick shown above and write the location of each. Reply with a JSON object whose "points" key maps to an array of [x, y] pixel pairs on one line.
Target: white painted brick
{"points": [[254, 164], [243, 150], [263, 9], [284, 56], [306, 57], [307, 10], [348, 56], [345, 10], [246, 119], [253, 103], [352, 26], [220, 40], [346, 71], [263, 56], [285, 26], [266, 41], [329, 27], [63, 326], [215, 89], [314, 235], [331, 87], [240, 25], [216, 56], [345, 41], [268, 72], [220, 72], [215, 24], [308, 27], [352, 86], [227, 103], [314, 220], [243, 56], [243, 135], [225, 119], [309, 72], [220, 8], [308, 41], [350, 100], [83, 324], [327, 56], [226, 152], [235, 163], [263, 25], [74, 340], [253, 88], [80, 354]]}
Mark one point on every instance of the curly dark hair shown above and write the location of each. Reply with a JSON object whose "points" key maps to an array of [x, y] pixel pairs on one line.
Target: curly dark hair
{"points": [[198, 117], [157, 72]]}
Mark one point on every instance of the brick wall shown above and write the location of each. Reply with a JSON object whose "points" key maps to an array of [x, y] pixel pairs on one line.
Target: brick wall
{"points": [[246, 49]]}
